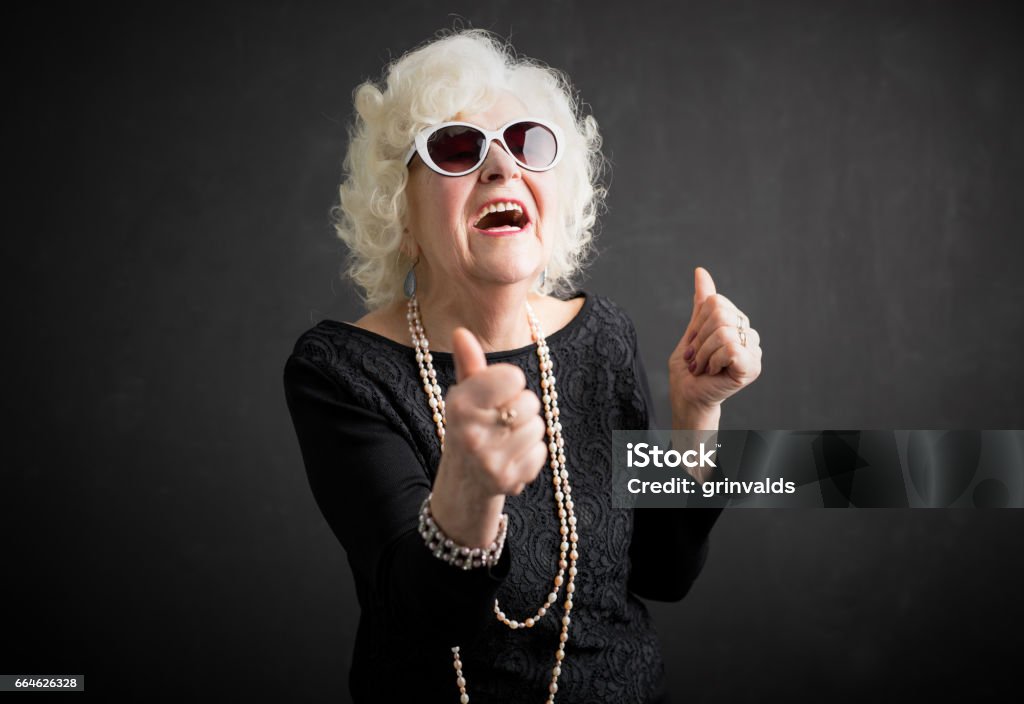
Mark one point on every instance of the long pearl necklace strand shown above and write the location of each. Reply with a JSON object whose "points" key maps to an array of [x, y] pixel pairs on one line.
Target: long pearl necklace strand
{"points": [[568, 553]]}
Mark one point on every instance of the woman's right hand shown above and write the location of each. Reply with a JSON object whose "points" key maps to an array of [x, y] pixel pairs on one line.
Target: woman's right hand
{"points": [[483, 460]]}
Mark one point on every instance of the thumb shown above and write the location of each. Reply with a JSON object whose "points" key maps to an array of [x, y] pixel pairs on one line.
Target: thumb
{"points": [[467, 353], [703, 286]]}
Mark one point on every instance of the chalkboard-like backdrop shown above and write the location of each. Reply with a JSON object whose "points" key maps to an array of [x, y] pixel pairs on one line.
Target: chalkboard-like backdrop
{"points": [[849, 172]]}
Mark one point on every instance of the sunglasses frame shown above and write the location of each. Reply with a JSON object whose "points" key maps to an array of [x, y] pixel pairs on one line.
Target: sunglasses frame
{"points": [[419, 145]]}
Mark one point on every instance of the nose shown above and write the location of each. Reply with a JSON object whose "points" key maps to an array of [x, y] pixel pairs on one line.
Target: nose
{"points": [[498, 165]]}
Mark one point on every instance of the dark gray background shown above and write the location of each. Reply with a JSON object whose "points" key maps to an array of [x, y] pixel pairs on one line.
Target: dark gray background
{"points": [[848, 171]]}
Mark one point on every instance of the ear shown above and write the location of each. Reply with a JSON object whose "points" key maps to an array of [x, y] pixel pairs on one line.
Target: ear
{"points": [[410, 249]]}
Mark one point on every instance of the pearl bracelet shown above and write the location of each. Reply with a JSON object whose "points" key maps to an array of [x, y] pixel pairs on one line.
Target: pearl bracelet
{"points": [[451, 552]]}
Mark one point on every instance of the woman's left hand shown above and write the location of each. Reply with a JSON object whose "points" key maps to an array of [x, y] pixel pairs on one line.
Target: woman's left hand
{"points": [[718, 355]]}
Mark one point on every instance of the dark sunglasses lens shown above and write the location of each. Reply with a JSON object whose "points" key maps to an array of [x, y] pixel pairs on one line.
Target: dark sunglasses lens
{"points": [[532, 144], [455, 148]]}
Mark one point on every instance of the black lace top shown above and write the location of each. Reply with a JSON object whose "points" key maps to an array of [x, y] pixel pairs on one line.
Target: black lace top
{"points": [[371, 453]]}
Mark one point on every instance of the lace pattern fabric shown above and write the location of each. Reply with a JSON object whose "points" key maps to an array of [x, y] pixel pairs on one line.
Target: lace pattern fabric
{"points": [[613, 653]]}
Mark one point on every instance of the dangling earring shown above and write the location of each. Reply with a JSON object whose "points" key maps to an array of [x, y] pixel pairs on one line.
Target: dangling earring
{"points": [[543, 278], [410, 281]]}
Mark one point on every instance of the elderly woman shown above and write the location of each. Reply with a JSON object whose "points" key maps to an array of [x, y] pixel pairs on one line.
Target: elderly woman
{"points": [[469, 200]]}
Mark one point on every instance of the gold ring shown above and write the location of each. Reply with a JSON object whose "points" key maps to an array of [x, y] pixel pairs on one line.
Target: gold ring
{"points": [[743, 337], [507, 416]]}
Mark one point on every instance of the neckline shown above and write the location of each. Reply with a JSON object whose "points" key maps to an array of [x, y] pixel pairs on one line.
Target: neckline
{"points": [[588, 301]]}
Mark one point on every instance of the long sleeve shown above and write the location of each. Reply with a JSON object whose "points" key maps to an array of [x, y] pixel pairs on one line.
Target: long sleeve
{"points": [[669, 545], [369, 485]]}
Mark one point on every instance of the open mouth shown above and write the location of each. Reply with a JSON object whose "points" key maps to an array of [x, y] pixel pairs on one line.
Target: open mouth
{"points": [[505, 216]]}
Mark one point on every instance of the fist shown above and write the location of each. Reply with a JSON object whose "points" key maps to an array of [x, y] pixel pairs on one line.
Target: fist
{"points": [[494, 440], [718, 354]]}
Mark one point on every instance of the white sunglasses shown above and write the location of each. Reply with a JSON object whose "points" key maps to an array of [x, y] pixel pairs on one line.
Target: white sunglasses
{"points": [[459, 148]]}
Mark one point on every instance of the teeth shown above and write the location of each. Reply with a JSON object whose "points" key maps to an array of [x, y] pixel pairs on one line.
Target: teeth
{"points": [[497, 208]]}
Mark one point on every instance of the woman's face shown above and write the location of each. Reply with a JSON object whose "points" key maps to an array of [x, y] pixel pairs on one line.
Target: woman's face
{"points": [[444, 214]]}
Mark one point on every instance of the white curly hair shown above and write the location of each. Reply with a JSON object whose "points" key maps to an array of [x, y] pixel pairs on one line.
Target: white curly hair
{"points": [[462, 71]]}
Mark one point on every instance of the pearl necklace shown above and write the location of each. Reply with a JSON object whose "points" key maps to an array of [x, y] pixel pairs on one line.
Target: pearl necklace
{"points": [[560, 480]]}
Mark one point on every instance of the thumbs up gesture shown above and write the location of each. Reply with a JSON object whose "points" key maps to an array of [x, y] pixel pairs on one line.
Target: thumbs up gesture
{"points": [[494, 443], [718, 354]]}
